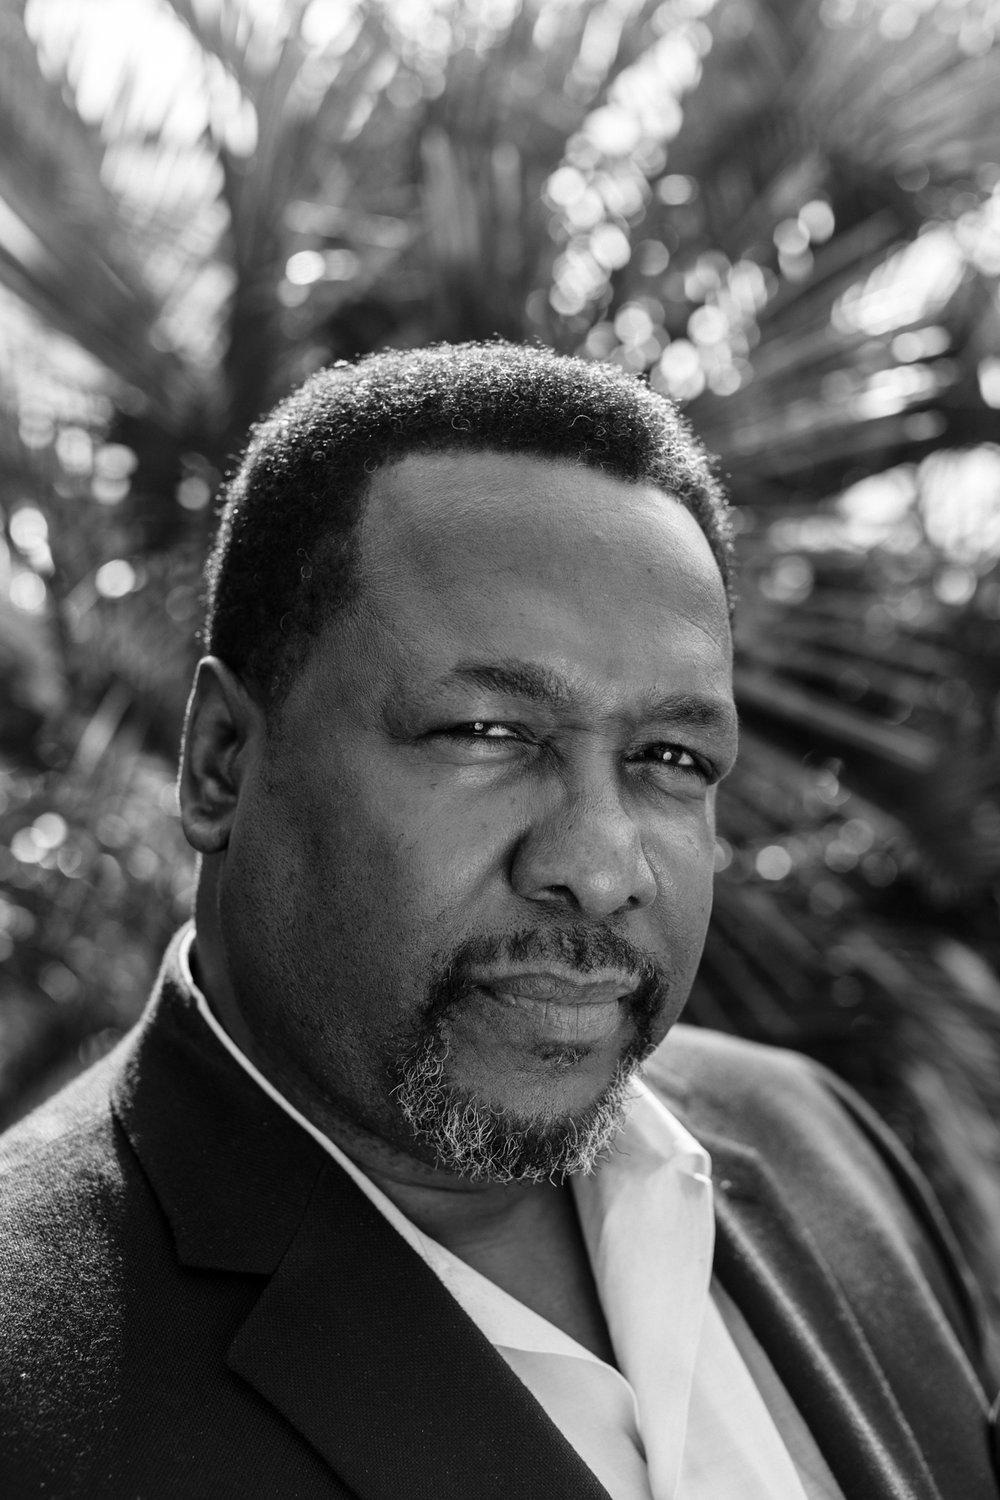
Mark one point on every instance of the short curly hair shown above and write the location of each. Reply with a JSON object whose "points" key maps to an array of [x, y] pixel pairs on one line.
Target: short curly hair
{"points": [[285, 555]]}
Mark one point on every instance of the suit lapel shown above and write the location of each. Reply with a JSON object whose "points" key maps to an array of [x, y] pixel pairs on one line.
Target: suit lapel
{"points": [[354, 1339], [360, 1346], [778, 1279]]}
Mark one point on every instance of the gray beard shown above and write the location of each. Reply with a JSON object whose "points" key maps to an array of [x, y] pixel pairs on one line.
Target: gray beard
{"points": [[485, 1144], [466, 1136]]}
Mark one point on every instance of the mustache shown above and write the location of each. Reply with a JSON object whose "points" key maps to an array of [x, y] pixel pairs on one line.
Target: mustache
{"points": [[580, 947]]}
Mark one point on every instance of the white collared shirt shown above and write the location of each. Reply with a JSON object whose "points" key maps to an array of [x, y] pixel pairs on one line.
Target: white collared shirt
{"points": [[682, 1418]]}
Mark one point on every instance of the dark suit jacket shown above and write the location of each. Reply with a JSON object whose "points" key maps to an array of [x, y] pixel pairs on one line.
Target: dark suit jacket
{"points": [[196, 1301]]}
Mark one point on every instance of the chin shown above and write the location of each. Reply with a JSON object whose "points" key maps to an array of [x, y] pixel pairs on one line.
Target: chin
{"points": [[485, 1140]]}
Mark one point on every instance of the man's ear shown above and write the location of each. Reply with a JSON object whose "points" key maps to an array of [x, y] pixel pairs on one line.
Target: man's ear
{"points": [[222, 720]]}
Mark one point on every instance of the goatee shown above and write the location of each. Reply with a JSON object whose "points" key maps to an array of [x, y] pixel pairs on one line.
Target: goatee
{"points": [[477, 1140]]}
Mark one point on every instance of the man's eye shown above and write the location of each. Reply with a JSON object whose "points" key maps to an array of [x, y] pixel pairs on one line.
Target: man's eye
{"points": [[482, 729], [676, 758]]}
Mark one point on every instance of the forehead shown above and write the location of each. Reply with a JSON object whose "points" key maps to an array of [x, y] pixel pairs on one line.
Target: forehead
{"points": [[430, 516], [492, 559]]}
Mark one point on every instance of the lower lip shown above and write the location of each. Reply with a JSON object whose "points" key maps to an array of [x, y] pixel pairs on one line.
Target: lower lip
{"points": [[551, 1021]]}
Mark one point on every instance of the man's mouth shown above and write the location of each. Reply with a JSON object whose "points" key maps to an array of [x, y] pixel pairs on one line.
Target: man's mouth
{"points": [[559, 1006]]}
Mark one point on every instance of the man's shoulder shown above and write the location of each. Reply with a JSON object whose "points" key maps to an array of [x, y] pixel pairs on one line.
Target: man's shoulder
{"points": [[798, 1116], [717, 1053], [725, 1079], [71, 1193], [61, 1134], [62, 1170], [809, 1132], [66, 1189], [832, 1161], [72, 1145]]}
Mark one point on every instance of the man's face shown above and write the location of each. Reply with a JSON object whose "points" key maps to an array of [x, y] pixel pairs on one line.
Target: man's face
{"points": [[471, 867]]}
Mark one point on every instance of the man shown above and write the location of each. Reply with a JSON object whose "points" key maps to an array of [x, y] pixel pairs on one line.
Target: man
{"points": [[372, 1203]]}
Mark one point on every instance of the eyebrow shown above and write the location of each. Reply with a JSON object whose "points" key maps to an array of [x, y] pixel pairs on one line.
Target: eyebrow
{"points": [[538, 684], [515, 679]]}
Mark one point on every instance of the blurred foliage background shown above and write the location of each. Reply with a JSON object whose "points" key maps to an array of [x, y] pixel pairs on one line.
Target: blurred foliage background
{"points": [[784, 213]]}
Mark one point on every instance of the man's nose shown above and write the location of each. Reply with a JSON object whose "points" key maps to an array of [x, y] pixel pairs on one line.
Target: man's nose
{"points": [[585, 853]]}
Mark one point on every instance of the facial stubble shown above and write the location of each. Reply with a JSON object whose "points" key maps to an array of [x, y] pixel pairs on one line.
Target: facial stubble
{"points": [[475, 1138]]}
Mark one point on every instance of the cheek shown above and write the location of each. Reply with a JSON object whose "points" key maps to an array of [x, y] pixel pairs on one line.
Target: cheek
{"points": [[684, 866], [682, 845], [290, 882], [437, 847], [380, 882]]}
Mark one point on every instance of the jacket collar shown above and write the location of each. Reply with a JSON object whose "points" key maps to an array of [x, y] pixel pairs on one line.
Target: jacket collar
{"points": [[404, 1395], [830, 1353], [778, 1279], [353, 1339], [233, 1173]]}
